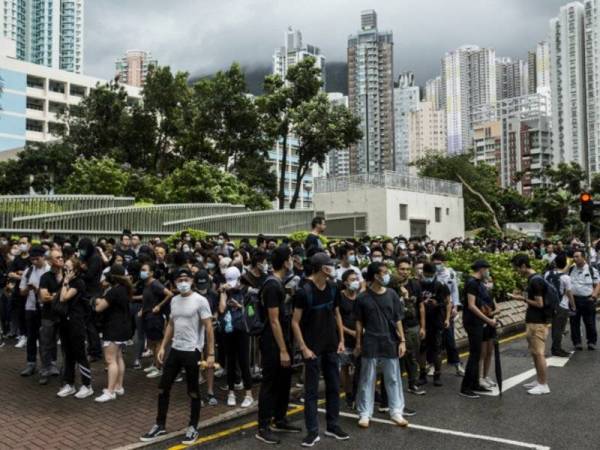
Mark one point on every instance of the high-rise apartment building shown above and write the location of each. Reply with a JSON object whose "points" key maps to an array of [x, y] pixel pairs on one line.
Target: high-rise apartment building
{"points": [[132, 68], [370, 96], [427, 131], [511, 78], [406, 100], [293, 51], [434, 93], [339, 159], [567, 50], [469, 81], [592, 81], [46, 32]]}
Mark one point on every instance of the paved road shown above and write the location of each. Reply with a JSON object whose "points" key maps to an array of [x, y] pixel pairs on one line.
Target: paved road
{"points": [[565, 419]]}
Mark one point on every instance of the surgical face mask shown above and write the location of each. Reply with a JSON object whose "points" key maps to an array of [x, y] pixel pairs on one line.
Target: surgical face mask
{"points": [[354, 286], [220, 242], [186, 248], [211, 265], [352, 259], [24, 248], [144, 275], [329, 271], [385, 280], [264, 268], [184, 287], [377, 259], [486, 274], [428, 279], [439, 268], [188, 239], [82, 252], [200, 259]]}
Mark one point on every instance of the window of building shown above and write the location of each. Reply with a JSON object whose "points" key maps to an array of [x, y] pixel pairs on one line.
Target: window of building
{"points": [[403, 211], [438, 215], [447, 211]]}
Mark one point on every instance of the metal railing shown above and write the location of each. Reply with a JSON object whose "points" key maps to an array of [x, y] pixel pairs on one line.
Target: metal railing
{"points": [[392, 180], [141, 219], [12, 206]]}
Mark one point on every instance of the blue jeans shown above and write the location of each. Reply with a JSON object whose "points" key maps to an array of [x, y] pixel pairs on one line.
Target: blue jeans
{"points": [[390, 368], [328, 363]]}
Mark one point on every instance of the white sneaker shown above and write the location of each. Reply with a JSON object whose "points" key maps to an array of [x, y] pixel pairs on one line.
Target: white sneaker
{"points": [[531, 385], [154, 374], [66, 390], [430, 370], [219, 372], [540, 389], [84, 392], [483, 382], [129, 343], [22, 342], [248, 401], [147, 354], [490, 382], [150, 368], [120, 392], [231, 399], [399, 420], [363, 422], [106, 396]]}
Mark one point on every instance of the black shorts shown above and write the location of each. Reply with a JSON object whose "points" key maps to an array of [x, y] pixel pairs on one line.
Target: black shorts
{"points": [[489, 333], [154, 326]]}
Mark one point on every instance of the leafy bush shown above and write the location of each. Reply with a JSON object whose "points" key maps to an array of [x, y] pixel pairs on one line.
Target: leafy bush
{"points": [[197, 235]]}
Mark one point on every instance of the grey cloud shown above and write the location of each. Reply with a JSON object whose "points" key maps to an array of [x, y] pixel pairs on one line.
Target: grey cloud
{"points": [[201, 36]]}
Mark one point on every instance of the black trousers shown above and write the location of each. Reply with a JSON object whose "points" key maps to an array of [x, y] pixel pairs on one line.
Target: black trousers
{"points": [[471, 378], [274, 394], [32, 322], [237, 349], [93, 338], [177, 360], [72, 338]]}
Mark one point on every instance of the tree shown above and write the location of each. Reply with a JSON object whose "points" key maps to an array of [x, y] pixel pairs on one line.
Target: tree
{"points": [[320, 127], [98, 176], [302, 83]]}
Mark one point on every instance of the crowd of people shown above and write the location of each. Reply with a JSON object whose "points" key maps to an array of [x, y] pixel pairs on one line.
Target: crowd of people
{"points": [[349, 311]]}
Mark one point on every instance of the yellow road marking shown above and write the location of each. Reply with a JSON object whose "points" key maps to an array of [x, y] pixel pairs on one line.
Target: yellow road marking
{"points": [[291, 412]]}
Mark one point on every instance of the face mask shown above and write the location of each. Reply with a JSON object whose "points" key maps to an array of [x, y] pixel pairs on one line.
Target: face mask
{"points": [[24, 248], [200, 259], [210, 265], [378, 259], [264, 269], [184, 287], [220, 242], [439, 268], [385, 280], [144, 275], [354, 286], [47, 253], [188, 239], [329, 271], [186, 249], [428, 279], [82, 253], [352, 259]]}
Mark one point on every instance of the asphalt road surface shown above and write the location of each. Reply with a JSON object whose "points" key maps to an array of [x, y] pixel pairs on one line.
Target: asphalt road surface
{"points": [[568, 418]]}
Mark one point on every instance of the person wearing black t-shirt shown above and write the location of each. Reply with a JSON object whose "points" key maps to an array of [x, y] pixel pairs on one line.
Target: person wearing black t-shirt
{"points": [[16, 269], [92, 265], [116, 330], [313, 241], [319, 333], [351, 286], [275, 349], [435, 297], [476, 295]]}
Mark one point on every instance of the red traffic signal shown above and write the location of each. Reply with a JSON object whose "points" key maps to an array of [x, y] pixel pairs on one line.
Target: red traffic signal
{"points": [[587, 207], [585, 197]]}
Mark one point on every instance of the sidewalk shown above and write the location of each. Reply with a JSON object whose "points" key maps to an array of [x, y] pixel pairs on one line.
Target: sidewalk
{"points": [[32, 417]]}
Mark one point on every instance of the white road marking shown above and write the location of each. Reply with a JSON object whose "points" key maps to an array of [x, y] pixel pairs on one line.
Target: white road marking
{"points": [[480, 437]]}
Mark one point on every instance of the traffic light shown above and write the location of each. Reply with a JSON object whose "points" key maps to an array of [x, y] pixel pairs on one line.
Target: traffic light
{"points": [[587, 207]]}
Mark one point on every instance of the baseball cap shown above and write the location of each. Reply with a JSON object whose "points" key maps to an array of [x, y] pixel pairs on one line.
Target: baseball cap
{"points": [[202, 279], [480, 264], [37, 251], [182, 271], [321, 259]]}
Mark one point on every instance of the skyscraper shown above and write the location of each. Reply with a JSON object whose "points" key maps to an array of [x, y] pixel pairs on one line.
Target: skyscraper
{"points": [[293, 51], [339, 159], [511, 78], [567, 47], [406, 100], [132, 68], [592, 71], [46, 32], [427, 131], [434, 93], [370, 95], [469, 81]]}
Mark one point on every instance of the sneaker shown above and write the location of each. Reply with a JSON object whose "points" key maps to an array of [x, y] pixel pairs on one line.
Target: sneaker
{"points": [[219, 373], [150, 368], [437, 382], [430, 371], [53, 371], [147, 354], [561, 353], [577, 347], [540, 389], [137, 365], [248, 401], [265, 435], [154, 374], [211, 400], [22, 342], [481, 388], [407, 412], [592, 347], [416, 390], [363, 422], [530, 385], [84, 392], [44, 379], [399, 420], [106, 396], [231, 399], [179, 378], [337, 433], [490, 383], [460, 370], [483, 382], [283, 426], [28, 371], [66, 390], [468, 394], [383, 409], [238, 386], [422, 381], [191, 435], [155, 432], [129, 343], [310, 440], [120, 391]]}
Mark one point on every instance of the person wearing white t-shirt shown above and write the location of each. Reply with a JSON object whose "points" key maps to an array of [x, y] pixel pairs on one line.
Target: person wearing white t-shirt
{"points": [[348, 260], [190, 318], [567, 302]]}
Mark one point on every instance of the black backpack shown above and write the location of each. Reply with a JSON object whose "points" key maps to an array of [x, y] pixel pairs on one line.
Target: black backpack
{"points": [[551, 298], [255, 314]]}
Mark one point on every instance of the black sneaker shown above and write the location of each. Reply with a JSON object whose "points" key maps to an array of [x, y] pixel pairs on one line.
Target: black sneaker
{"points": [[337, 433], [579, 347], [591, 346], [437, 382], [266, 436], [416, 390], [310, 440], [191, 436], [468, 394], [561, 353], [422, 381], [28, 371], [43, 381], [155, 432], [409, 412], [283, 426], [481, 388]]}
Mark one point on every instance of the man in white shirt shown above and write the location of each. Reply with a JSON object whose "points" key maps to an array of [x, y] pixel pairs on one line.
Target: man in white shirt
{"points": [[549, 257], [190, 318], [558, 277], [585, 288], [347, 258]]}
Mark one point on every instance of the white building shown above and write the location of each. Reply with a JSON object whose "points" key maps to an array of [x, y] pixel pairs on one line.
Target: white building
{"points": [[32, 97], [46, 32], [406, 101], [592, 71], [339, 159], [427, 131], [511, 78], [434, 92], [293, 51], [396, 204]]}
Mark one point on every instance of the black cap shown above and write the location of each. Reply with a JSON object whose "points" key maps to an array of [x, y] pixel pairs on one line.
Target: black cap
{"points": [[480, 264], [182, 271], [321, 259], [202, 279], [37, 251], [118, 270]]}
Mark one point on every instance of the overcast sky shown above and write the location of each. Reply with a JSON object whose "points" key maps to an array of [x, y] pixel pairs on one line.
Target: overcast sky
{"points": [[201, 36]]}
